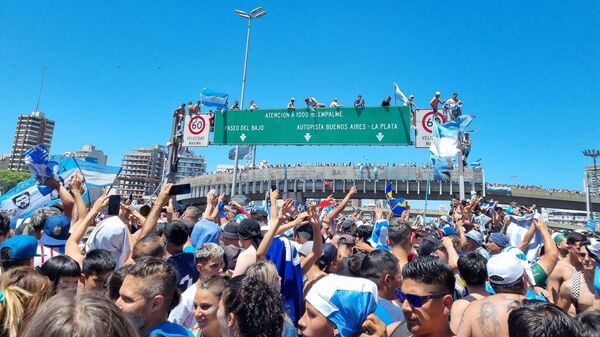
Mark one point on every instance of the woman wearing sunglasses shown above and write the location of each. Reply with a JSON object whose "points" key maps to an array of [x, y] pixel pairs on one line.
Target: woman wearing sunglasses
{"points": [[426, 296]]}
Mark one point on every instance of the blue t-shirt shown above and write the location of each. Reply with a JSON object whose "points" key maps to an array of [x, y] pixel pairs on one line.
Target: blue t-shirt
{"points": [[168, 329], [185, 269], [387, 312]]}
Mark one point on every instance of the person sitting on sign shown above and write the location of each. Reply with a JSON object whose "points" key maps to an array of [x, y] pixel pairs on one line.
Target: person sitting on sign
{"points": [[359, 102], [455, 105], [197, 107], [253, 105], [235, 106], [335, 104], [290, 105], [386, 101], [435, 101], [315, 104]]}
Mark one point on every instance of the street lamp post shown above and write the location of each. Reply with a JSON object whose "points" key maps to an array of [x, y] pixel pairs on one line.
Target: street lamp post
{"points": [[253, 14], [593, 154]]}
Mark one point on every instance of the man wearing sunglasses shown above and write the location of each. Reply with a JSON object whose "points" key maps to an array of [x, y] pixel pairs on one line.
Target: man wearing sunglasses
{"points": [[426, 296], [489, 316], [580, 291]]}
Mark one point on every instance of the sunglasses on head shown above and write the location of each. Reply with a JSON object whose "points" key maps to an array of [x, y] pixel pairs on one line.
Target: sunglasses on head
{"points": [[416, 301]]}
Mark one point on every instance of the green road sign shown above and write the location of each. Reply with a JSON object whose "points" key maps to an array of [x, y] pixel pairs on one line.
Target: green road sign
{"points": [[322, 126]]}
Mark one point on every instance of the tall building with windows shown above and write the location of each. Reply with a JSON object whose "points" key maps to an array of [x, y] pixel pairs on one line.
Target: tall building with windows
{"points": [[190, 165], [141, 171], [31, 130], [89, 153]]}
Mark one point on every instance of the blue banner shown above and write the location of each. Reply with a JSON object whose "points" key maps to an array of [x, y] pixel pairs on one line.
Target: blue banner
{"points": [[214, 99]]}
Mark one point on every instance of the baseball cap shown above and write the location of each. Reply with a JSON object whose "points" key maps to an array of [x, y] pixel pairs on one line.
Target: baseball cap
{"points": [[429, 245], [347, 223], [449, 230], [305, 232], [445, 219], [329, 254], [505, 268], [500, 239], [231, 231], [558, 237], [292, 99], [475, 235], [249, 228], [437, 93], [21, 247], [56, 230], [306, 248], [346, 239], [411, 96]]}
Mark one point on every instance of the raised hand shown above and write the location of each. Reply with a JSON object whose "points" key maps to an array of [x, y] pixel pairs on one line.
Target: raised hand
{"points": [[287, 210]]}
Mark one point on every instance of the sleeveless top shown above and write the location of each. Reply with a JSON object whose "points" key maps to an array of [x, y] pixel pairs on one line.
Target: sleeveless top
{"points": [[576, 290]]}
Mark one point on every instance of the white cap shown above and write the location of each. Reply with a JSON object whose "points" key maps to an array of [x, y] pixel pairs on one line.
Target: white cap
{"points": [[292, 99], [506, 268], [437, 93], [411, 96], [594, 249]]}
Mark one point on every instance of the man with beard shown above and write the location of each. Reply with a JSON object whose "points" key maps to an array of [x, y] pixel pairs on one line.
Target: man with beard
{"points": [[148, 293]]}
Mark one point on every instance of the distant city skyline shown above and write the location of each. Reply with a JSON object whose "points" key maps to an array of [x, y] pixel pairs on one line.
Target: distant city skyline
{"points": [[528, 81]]}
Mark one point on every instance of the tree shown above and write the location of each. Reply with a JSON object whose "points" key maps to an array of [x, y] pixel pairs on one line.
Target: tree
{"points": [[9, 179]]}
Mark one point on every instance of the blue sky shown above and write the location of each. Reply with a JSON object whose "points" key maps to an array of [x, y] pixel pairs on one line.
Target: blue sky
{"points": [[117, 69]]}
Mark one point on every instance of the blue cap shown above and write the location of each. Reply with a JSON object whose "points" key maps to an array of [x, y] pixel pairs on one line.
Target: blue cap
{"points": [[475, 236], [21, 247], [449, 230], [329, 254], [500, 239], [56, 230]]}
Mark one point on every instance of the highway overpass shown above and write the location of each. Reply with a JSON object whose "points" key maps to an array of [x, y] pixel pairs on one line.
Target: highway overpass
{"points": [[407, 181]]}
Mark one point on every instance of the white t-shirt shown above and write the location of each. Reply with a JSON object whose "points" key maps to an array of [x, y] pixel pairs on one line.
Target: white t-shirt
{"points": [[183, 313]]}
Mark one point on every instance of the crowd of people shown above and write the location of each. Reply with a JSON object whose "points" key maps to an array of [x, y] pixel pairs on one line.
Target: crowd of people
{"points": [[534, 188], [451, 107], [310, 270]]}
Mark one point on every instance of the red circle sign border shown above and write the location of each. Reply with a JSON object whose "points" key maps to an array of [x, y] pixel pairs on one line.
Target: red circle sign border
{"points": [[425, 119], [203, 125]]}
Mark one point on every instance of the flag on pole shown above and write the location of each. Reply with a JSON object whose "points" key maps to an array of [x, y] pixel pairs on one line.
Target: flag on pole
{"points": [[399, 94], [214, 99], [244, 152]]}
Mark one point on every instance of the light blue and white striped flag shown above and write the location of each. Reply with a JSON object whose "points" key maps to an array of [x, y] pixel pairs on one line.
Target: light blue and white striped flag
{"points": [[214, 99]]}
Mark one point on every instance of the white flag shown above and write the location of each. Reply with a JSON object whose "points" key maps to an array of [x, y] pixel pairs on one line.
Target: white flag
{"points": [[399, 94]]}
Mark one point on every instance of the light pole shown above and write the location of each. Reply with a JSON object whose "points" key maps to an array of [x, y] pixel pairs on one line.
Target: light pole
{"points": [[253, 14], [594, 154]]}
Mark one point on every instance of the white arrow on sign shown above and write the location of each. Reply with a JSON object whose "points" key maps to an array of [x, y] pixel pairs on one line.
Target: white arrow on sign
{"points": [[243, 137], [380, 136], [307, 136]]}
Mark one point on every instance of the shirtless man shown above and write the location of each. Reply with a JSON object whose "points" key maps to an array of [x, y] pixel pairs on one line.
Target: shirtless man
{"points": [[580, 291], [565, 268], [488, 317], [435, 101]]}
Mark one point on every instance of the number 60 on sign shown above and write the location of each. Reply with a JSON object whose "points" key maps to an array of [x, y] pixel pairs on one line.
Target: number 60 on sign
{"points": [[196, 131]]}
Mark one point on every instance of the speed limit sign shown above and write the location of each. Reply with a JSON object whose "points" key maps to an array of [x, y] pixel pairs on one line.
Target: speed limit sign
{"points": [[196, 130], [424, 126]]}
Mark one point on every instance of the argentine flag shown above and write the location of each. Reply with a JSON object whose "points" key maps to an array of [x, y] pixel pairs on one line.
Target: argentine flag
{"points": [[214, 99], [445, 145]]}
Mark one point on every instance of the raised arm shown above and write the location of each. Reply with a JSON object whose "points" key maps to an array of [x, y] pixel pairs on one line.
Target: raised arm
{"points": [[342, 205], [72, 244], [527, 237], [152, 218], [285, 214], [65, 197], [298, 221], [317, 251], [550, 258], [76, 187], [210, 196]]}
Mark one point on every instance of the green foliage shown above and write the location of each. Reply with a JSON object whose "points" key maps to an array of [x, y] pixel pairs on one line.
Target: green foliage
{"points": [[8, 179]]}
